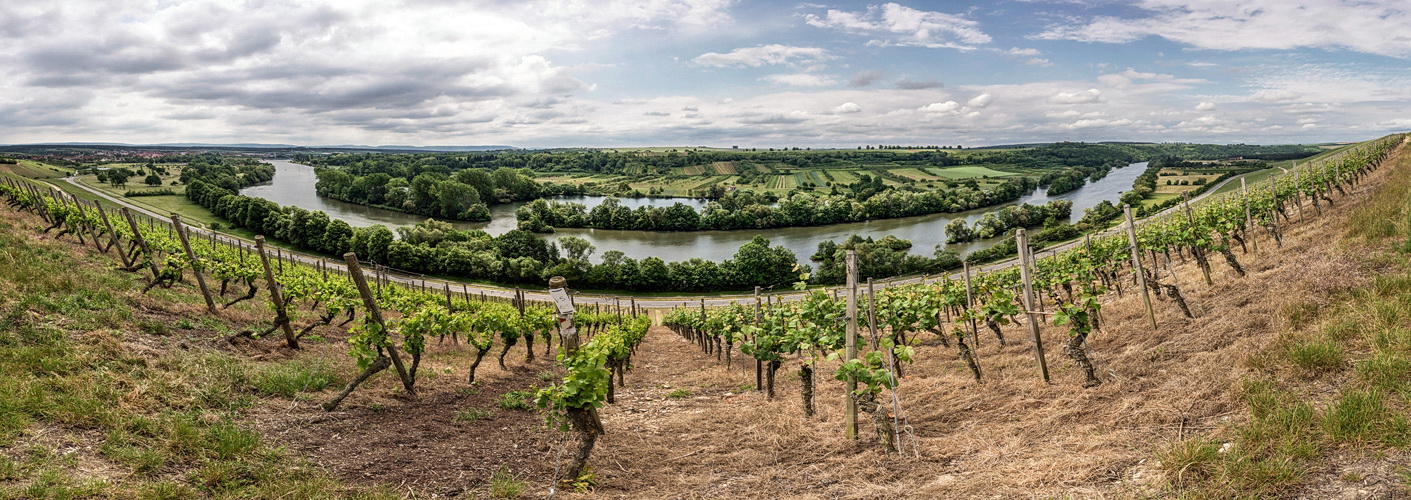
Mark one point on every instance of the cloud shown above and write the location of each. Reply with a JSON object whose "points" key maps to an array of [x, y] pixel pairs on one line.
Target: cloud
{"points": [[1368, 26], [1205, 106], [947, 108], [865, 78], [1038, 61], [657, 113], [900, 25], [773, 54], [350, 69], [905, 84], [1084, 97], [1016, 51], [775, 118], [1130, 76], [980, 101], [847, 108], [690, 108], [799, 80]]}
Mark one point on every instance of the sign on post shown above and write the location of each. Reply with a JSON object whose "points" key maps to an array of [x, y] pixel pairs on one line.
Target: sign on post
{"points": [[560, 296]]}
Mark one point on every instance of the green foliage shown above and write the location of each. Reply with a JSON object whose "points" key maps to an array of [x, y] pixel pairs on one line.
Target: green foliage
{"points": [[516, 400]]}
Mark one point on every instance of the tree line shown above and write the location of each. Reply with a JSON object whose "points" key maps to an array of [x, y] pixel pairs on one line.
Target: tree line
{"points": [[746, 210], [999, 222]]}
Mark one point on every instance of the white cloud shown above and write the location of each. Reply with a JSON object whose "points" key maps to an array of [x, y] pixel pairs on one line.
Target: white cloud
{"points": [[1370, 26], [1016, 51], [980, 101], [947, 108], [773, 54], [909, 26], [1084, 97], [847, 108], [1205, 106], [1038, 61], [799, 80]]}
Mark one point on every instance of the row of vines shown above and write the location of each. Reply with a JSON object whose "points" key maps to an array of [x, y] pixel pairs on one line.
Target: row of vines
{"points": [[1065, 288], [397, 321]]}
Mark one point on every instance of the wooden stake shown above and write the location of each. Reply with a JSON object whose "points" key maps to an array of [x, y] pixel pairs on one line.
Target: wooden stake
{"points": [[114, 237], [351, 259], [1023, 243], [195, 263], [142, 242], [1137, 266], [758, 365], [281, 314], [1248, 218], [850, 403]]}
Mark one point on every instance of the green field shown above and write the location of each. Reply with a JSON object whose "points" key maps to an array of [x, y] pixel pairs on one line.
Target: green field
{"points": [[725, 168], [969, 172], [35, 170]]}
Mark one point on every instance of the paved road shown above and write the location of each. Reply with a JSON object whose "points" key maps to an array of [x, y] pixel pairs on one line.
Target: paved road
{"points": [[592, 299]]}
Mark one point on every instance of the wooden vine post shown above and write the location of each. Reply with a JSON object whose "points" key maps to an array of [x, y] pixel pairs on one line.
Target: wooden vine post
{"points": [[1195, 250], [1022, 238], [195, 263], [281, 315], [1248, 218], [758, 365], [584, 420], [1297, 191], [850, 353], [113, 235], [375, 314], [142, 242], [1137, 266]]}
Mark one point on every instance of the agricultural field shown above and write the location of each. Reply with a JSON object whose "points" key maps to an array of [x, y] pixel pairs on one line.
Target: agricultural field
{"points": [[970, 172], [34, 170], [1174, 182], [724, 168]]}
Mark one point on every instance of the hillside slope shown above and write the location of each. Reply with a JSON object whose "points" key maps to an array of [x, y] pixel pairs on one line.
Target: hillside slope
{"points": [[1290, 382]]}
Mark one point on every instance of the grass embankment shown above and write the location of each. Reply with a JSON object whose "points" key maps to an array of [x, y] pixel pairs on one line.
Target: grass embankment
{"points": [[1328, 398], [109, 393]]}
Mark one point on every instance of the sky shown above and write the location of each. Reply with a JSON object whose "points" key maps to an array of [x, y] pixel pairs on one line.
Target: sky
{"points": [[584, 73]]}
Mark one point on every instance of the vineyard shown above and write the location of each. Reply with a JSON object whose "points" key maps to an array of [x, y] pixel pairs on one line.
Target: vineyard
{"points": [[862, 362]]}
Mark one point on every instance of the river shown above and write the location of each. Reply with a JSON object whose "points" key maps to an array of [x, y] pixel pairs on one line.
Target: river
{"points": [[294, 185]]}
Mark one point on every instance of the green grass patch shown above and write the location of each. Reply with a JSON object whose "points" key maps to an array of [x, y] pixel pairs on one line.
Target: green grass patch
{"points": [[522, 400], [1316, 357], [294, 377]]}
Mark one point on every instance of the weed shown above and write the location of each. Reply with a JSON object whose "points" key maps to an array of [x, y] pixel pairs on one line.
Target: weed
{"points": [[678, 393], [293, 377], [1356, 416], [1316, 357], [517, 400], [151, 327], [504, 485], [547, 376], [472, 414]]}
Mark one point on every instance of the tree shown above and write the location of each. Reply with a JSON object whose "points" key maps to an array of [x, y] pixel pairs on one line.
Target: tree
{"points": [[576, 248], [755, 263], [153, 180], [118, 176]]}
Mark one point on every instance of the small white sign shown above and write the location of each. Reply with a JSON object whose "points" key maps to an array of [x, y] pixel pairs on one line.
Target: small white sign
{"points": [[561, 300]]}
